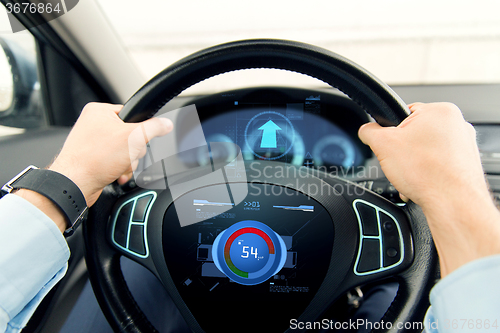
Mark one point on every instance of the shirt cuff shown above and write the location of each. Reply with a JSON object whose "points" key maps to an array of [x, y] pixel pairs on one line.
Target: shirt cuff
{"points": [[34, 256], [467, 299], [17, 323]]}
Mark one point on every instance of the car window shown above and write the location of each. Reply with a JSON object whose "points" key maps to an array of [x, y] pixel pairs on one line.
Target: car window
{"points": [[21, 106], [401, 42]]}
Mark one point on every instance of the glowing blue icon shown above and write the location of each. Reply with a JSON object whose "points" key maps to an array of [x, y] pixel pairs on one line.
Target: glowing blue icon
{"points": [[269, 134]]}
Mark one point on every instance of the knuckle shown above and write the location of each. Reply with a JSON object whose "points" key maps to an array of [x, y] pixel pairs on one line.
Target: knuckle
{"points": [[89, 107], [451, 108], [471, 128], [415, 106]]}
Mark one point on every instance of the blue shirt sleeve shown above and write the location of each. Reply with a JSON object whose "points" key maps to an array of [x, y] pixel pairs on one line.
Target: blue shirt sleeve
{"points": [[33, 259], [467, 300]]}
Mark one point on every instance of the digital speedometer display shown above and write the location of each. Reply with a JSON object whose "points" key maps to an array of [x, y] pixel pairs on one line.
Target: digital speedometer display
{"points": [[249, 252]]}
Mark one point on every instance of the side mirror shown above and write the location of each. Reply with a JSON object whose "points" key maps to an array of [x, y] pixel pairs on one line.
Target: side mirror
{"points": [[19, 88]]}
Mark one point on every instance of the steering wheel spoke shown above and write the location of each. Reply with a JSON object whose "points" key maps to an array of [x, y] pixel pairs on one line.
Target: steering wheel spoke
{"points": [[385, 245], [129, 224]]}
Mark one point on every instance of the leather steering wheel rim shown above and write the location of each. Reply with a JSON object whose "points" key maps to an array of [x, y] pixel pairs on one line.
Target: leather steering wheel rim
{"points": [[383, 104], [361, 86]]}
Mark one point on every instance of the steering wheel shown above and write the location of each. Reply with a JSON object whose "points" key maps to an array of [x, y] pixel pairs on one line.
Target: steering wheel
{"points": [[325, 242]]}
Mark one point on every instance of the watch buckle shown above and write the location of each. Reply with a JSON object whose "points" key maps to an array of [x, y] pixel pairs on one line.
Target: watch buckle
{"points": [[8, 188], [68, 232]]}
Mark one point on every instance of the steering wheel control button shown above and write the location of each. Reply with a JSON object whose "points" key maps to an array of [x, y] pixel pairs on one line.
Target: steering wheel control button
{"points": [[249, 252], [390, 240], [122, 224], [140, 208], [368, 217], [136, 239], [369, 259], [129, 228], [377, 251], [389, 226], [391, 253]]}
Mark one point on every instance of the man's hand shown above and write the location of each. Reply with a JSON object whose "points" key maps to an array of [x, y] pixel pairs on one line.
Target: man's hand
{"points": [[99, 150], [432, 158], [96, 151], [434, 145]]}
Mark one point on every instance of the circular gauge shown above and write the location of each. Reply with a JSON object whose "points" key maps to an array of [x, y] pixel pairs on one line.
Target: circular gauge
{"points": [[249, 252], [269, 135], [334, 150]]}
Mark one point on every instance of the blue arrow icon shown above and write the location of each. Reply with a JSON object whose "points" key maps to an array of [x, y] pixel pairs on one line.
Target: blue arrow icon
{"points": [[269, 134]]}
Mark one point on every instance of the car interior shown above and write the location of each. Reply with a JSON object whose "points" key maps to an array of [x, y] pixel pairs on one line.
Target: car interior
{"points": [[325, 255]]}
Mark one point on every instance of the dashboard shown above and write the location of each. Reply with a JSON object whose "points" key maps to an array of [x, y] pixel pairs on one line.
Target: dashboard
{"points": [[311, 128]]}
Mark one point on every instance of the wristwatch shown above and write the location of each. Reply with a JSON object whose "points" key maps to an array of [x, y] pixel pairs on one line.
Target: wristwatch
{"points": [[58, 188]]}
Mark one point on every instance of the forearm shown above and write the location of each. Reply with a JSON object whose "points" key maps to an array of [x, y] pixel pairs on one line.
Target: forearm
{"points": [[464, 229]]}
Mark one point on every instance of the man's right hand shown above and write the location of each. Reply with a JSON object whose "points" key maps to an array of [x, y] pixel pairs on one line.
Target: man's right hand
{"points": [[432, 158]]}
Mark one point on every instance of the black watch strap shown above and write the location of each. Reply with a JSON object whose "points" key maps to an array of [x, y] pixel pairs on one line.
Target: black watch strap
{"points": [[58, 188]]}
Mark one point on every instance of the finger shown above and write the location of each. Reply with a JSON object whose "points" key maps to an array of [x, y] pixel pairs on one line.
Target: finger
{"points": [[142, 152], [144, 132], [470, 128], [124, 179], [156, 127], [116, 108], [134, 165], [404, 198], [368, 132], [414, 106], [128, 174]]}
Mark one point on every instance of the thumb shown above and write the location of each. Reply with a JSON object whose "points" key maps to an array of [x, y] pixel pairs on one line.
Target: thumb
{"points": [[368, 133], [145, 132], [156, 127]]}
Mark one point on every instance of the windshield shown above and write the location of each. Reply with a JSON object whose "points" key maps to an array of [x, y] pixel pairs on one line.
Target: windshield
{"points": [[401, 42]]}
